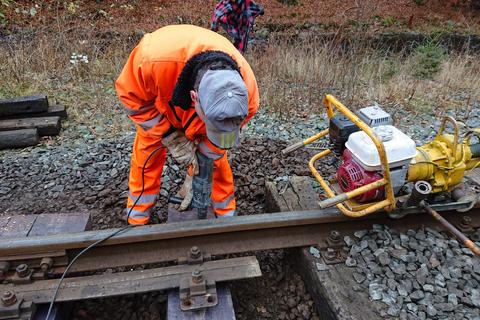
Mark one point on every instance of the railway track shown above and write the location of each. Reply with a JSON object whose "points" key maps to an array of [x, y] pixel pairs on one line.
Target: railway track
{"points": [[191, 254]]}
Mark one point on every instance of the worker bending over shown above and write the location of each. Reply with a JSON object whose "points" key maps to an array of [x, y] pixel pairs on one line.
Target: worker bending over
{"points": [[187, 89]]}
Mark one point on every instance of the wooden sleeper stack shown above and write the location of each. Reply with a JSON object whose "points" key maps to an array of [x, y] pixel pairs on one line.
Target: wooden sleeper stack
{"points": [[23, 120]]}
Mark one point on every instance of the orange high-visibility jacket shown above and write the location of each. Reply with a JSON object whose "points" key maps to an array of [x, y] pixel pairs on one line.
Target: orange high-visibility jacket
{"points": [[148, 79]]}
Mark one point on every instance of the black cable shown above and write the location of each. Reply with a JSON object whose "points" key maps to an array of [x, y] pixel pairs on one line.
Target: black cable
{"points": [[128, 226]]}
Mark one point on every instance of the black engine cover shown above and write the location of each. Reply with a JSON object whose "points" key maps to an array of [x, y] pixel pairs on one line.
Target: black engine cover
{"points": [[339, 129]]}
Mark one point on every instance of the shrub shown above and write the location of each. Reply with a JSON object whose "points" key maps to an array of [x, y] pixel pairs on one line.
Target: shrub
{"points": [[427, 60], [289, 2]]}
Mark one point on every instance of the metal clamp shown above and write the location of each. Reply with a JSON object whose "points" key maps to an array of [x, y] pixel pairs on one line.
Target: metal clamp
{"points": [[196, 292], [12, 307], [194, 256]]}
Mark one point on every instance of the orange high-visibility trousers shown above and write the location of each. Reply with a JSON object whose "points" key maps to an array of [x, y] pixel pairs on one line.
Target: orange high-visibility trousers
{"points": [[223, 199]]}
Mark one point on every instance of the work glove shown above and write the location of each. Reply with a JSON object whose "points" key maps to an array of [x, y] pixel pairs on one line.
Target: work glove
{"points": [[182, 149]]}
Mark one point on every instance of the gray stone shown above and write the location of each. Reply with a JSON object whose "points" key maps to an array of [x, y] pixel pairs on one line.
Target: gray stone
{"points": [[440, 280], [411, 267], [388, 299], [417, 295], [359, 278], [435, 233], [445, 307], [350, 262], [475, 298], [434, 262], [431, 311], [422, 315], [445, 272], [421, 274], [389, 274], [428, 288], [452, 298], [397, 253], [372, 245], [360, 233], [398, 268], [407, 283], [438, 299], [420, 235], [315, 252], [402, 290], [322, 267], [393, 311], [382, 257], [441, 291], [355, 250], [412, 307], [348, 241], [375, 291], [363, 245], [392, 284], [456, 273]]}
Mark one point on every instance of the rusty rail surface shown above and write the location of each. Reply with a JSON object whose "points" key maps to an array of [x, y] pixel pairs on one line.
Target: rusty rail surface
{"points": [[163, 243]]}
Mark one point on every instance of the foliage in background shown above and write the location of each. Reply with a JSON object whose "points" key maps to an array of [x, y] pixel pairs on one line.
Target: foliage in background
{"points": [[3, 5], [289, 2], [293, 76], [427, 59], [420, 2]]}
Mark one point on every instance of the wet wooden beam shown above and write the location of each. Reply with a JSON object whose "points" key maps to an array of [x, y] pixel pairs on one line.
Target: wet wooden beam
{"points": [[22, 105], [46, 126], [56, 110], [18, 138]]}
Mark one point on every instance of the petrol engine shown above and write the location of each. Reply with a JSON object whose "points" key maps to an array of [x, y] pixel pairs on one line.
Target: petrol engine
{"points": [[441, 162]]}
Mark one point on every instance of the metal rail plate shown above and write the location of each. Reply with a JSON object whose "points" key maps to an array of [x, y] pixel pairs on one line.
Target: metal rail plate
{"points": [[114, 284]]}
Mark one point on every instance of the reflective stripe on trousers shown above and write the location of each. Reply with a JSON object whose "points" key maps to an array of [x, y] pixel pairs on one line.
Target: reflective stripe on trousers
{"points": [[144, 199], [143, 146]]}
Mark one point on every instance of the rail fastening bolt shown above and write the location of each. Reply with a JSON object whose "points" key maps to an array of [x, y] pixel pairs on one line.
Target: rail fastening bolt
{"points": [[335, 235], [187, 302], [466, 221], [197, 276], [4, 266], [9, 298], [46, 264], [22, 270], [330, 254], [194, 252]]}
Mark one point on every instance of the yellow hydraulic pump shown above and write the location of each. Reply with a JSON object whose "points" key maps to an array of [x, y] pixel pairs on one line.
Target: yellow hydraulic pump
{"points": [[443, 161]]}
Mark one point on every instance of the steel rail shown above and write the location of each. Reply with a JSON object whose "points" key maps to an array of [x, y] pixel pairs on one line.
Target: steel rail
{"points": [[179, 230], [164, 243]]}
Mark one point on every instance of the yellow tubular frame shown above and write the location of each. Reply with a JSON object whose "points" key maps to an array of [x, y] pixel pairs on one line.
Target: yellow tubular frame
{"points": [[389, 203]]}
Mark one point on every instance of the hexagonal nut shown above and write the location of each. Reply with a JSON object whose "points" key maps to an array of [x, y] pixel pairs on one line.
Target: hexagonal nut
{"points": [[9, 298], [22, 270]]}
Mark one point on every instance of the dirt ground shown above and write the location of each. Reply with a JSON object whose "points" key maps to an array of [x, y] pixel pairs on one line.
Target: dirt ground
{"points": [[128, 16]]}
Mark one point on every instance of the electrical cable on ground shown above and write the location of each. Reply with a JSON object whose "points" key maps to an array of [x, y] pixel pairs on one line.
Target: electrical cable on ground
{"points": [[52, 302]]}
